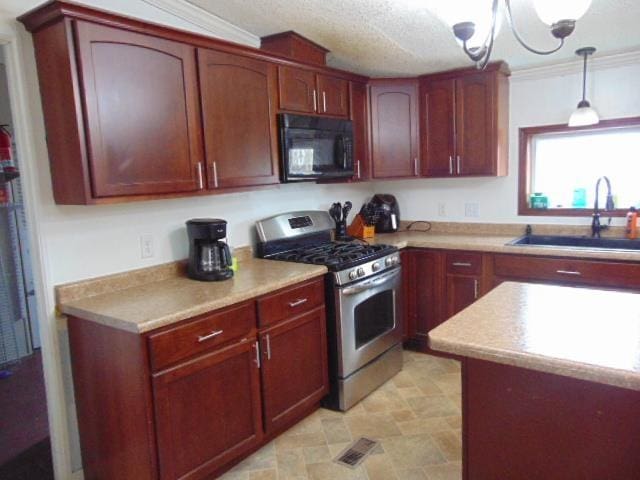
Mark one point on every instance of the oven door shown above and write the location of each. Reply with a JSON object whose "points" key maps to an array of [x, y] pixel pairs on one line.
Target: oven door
{"points": [[367, 320]]}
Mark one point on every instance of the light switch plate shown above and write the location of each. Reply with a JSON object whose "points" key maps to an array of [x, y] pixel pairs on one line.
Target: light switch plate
{"points": [[471, 210], [442, 209], [146, 246]]}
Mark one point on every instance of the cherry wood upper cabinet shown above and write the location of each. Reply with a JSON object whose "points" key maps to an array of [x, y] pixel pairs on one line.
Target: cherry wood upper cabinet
{"points": [[437, 120], [305, 91], [474, 112], [297, 89], [360, 117], [394, 128], [143, 131], [240, 129], [465, 121], [333, 96], [294, 367], [208, 411]]}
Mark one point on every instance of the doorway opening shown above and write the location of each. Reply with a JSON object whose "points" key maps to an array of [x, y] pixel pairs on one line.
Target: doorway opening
{"points": [[25, 450]]}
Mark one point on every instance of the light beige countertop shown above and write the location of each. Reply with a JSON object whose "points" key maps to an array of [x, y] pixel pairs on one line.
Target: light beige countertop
{"points": [[141, 305], [582, 333], [484, 242]]}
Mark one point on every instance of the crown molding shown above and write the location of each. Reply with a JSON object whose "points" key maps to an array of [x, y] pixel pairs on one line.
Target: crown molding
{"points": [[206, 20], [595, 63]]}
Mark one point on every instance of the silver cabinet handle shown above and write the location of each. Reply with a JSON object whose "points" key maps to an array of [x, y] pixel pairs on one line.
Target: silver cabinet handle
{"points": [[324, 101], [200, 181], [315, 101], [415, 166], [268, 340], [450, 165], [461, 264], [569, 272], [475, 288], [458, 161], [215, 174], [203, 338], [358, 168], [300, 301], [257, 359]]}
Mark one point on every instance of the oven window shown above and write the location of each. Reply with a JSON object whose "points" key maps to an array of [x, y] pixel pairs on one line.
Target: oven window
{"points": [[373, 317]]}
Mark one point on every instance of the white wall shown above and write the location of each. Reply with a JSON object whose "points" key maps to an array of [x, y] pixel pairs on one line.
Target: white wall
{"points": [[543, 96]]}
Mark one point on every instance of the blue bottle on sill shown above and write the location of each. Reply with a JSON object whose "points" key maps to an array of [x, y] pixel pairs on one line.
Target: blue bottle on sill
{"points": [[538, 200]]}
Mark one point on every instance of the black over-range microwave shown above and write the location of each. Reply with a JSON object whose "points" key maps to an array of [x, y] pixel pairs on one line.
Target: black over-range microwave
{"points": [[315, 148]]}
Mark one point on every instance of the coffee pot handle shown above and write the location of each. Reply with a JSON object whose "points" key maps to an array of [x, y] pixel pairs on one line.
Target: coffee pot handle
{"points": [[226, 255]]}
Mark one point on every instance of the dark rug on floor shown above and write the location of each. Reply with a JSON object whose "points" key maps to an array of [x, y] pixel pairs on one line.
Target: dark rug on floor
{"points": [[32, 464]]}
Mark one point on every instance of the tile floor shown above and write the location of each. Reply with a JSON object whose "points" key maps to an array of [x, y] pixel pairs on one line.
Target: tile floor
{"points": [[415, 416]]}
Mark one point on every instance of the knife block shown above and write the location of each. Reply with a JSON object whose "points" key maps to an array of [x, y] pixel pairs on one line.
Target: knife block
{"points": [[358, 228]]}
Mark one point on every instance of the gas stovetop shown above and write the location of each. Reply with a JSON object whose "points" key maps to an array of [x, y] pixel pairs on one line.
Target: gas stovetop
{"points": [[335, 255]]}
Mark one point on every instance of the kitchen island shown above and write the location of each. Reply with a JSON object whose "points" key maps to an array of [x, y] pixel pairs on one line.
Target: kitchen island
{"points": [[550, 382]]}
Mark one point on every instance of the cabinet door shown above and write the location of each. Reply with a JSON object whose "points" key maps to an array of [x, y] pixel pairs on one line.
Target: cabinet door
{"points": [[437, 126], [429, 290], [333, 96], [475, 134], [394, 129], [207, 411], [142, 115], [294, 367], [360, 118], [297, 89], [462, 291], [240, 129]]}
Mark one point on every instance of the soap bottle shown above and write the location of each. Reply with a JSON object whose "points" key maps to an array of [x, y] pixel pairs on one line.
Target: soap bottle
{"points": [[632, 223]]}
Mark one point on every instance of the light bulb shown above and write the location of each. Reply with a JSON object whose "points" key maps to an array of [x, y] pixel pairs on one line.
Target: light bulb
{"points": [[552, 11]]}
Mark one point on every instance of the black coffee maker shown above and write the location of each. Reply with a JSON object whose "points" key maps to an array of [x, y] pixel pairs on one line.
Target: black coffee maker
{"points": [[388, 210], [209, 256]]}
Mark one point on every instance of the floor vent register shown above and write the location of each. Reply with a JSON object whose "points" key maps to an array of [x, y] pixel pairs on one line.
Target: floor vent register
{"points": [[355, 454]]}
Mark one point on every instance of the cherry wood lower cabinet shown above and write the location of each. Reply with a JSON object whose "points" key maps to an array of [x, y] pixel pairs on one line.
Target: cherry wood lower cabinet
{"points": [[207, 411], [190, 400], [521, 424], [294, 367]]}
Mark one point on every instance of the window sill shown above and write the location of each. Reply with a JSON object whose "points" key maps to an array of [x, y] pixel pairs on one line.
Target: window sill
{"points": [[568, 212]]}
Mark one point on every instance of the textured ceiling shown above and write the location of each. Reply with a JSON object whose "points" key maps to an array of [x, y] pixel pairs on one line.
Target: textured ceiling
{"points": [[407, 37]]}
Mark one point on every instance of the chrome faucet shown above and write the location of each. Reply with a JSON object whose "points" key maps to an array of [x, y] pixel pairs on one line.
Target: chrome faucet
{"points": [[596, 228]]}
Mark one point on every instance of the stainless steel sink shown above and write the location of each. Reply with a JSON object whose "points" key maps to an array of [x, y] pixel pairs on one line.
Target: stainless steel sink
{"points": [[576, 242]]}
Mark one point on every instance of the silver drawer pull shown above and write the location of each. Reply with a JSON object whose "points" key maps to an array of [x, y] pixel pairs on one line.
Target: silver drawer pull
{"points": [[461, 264], [257, 357], [215, 333], [300, 301], [268, 340], [568, 272]]}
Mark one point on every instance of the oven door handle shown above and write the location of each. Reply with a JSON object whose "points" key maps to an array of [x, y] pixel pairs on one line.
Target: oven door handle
{"points": [[353, 290]]}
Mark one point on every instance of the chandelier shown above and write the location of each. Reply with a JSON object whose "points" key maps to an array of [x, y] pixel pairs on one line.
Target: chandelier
{"points": [[477, 36]]}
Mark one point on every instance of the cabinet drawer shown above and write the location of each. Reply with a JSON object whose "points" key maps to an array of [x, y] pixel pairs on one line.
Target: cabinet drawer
{"points": [[460, 263], [293, 301], [200, 334], [567, 270]]}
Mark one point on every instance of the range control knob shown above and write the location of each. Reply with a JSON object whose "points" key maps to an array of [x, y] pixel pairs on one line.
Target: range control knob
{"points": [[390, 261], [375, 267], [361, 272], [353, 275]]}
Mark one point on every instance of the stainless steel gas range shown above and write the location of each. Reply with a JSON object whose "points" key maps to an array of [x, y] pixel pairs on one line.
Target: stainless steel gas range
{"points": [[363, 300]]}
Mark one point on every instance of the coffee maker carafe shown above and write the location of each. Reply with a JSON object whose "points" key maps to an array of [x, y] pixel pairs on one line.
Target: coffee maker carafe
{"points": [[209, 256]]}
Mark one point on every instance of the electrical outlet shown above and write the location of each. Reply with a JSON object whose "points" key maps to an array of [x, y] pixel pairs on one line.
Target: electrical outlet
{"points": [[471, 210], [146, 246], [442, 211]]}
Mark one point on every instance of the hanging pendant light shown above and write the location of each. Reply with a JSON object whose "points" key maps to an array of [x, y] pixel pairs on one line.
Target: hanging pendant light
{"points": [[584, 115]]}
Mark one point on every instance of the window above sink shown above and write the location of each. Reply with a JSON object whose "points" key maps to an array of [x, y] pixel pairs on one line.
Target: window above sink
{"points": [[560, 166]]}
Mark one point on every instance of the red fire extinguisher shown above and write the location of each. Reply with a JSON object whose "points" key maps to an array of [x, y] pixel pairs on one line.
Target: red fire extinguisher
{"points": [[7, 168]]}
